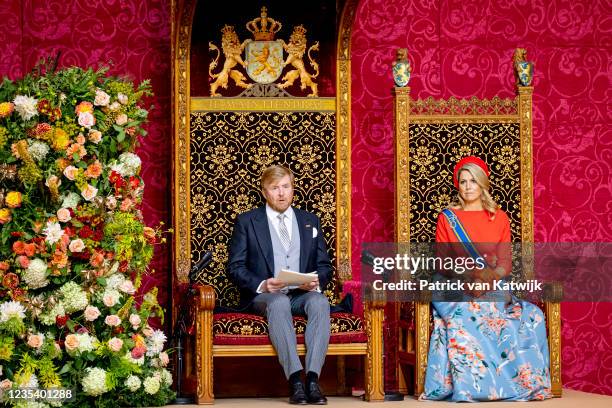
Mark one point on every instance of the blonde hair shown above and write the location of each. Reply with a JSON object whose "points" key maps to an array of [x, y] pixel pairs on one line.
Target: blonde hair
{"points": [[274, 173], [483, 182]]}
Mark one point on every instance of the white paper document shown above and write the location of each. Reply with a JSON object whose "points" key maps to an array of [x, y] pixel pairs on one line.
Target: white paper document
{"points": [[295, 278]]}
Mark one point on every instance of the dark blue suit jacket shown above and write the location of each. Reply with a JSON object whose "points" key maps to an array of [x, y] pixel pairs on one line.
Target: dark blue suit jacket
{"points": [[251, 259]]}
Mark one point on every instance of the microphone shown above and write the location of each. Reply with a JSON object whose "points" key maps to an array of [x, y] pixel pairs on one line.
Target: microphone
{"points": [[367, 258], [204, 261]]}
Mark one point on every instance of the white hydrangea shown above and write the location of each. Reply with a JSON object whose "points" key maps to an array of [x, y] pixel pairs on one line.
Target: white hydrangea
{"points": [[86, 342], [114, 281], [155, 343], [30, 382], [132, 383], [38, 150], [71, 200], [9, 310], [48, 318], [75, 298], [32, 404], [94, 382], [35, 275], [166, 377], [129, 164], [25, 106], [151, 385]]}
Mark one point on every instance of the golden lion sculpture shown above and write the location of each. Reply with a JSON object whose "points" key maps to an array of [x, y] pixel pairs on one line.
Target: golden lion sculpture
{"points": [[296, 49], [232, 50]]}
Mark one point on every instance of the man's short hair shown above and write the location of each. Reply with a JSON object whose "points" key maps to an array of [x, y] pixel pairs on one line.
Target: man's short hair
{"points": [[274, 173]]}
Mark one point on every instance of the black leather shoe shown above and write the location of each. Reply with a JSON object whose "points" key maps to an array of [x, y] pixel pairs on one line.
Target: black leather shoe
{"points": [[298, 395], [315, 396]]}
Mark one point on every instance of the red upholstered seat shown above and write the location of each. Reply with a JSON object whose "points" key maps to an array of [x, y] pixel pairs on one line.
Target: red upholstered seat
{"points": [[251, 329]]}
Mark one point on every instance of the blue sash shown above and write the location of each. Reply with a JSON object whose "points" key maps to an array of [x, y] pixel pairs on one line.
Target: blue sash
{"points": [[462, 235]]}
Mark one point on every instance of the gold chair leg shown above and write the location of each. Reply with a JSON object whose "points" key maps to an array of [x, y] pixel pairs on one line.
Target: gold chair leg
{"points": [[204, 343], [374, 359], [421, 333], [553, 322]]}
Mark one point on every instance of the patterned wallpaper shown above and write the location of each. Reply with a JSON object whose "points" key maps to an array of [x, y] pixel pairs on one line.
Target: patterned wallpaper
{"points": [[132, 36], [462, 48], [456, 48]]}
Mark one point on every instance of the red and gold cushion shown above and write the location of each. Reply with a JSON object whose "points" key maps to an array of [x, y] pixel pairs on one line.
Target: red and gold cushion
{"points": [[251, 329]]}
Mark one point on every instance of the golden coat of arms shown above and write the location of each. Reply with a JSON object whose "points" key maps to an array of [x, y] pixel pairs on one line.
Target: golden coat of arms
{"points": [[263, 59]]}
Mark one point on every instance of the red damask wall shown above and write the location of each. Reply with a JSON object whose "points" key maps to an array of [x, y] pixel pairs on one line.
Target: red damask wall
{"points": [[133, 36], [463, 48]]}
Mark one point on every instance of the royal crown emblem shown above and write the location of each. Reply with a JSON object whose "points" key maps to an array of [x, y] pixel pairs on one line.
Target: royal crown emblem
{"points": [[263, 60]]}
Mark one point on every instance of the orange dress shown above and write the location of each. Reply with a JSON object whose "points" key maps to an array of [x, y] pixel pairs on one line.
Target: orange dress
{"points": [[486, 233]]}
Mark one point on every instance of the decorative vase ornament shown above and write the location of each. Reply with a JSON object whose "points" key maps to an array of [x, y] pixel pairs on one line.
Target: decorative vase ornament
{"points": [[523, 69], [401, 68]]}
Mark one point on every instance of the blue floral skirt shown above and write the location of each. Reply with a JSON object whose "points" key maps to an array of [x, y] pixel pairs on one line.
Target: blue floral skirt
{"points": [[484, 351]]}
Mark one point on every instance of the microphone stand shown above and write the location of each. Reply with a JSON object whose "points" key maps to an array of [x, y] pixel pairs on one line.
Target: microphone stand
{"points": [[180, 328]]}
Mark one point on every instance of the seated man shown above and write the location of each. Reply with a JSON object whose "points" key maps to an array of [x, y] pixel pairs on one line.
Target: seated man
{"points": [[274, 237]]}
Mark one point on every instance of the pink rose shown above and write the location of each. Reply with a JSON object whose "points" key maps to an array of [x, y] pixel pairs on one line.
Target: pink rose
{"points": [[95, 136], [71, 172], [80, 139], [138, 352], [72, 342], [86, 119], [91, 313], [109, 299], [115, 106], [147, 331], [112, 320], [115, 344], [77, 245], [35, 340], [24, 261], [102, 98], [126, 205], [122, 98], [121, 119], [127, 287], [63, 214], [6, 384], [164, 359], [53, 181], [89, 192], [135, 320]]}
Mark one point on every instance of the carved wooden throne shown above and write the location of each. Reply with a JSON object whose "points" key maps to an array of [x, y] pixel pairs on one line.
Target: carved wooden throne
{"points": [[221, 145], [431, 136]]}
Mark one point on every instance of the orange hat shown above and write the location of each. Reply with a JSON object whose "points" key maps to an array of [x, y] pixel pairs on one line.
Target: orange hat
{"points": [[470, 159]]}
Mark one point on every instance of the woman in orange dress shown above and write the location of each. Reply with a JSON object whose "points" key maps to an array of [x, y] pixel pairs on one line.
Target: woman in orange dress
{"points": [[484, 350]]}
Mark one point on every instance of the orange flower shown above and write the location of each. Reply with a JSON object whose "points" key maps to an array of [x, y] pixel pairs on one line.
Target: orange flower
{"points": [[62, 164], [19, 247], [13, 199], [10, 280], [94, 170], [149, 234], [4, 266], [60, 259], [6, 108], [5, 215], [84, 107], [96, 259], [76, 148], [29, 249]]}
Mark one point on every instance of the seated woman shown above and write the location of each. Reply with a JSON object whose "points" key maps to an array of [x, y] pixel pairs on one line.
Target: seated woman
{"points": [[482, 351]]}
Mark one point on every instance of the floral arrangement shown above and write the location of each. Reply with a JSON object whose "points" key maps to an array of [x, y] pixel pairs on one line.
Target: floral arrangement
{"points": [[74, 246]]}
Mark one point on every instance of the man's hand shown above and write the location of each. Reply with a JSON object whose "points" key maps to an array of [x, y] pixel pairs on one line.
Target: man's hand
{"points": [[273, 285], [308, 286]]}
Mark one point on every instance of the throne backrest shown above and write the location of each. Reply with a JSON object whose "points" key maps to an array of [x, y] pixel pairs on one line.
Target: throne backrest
{"points": [[228, 152]]}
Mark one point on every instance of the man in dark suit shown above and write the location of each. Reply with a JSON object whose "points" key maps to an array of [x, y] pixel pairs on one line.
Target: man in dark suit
{"points": [[274, 237]]}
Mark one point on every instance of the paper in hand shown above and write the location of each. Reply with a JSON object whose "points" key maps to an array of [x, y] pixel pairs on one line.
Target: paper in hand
{"points": [[296, 278]]}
